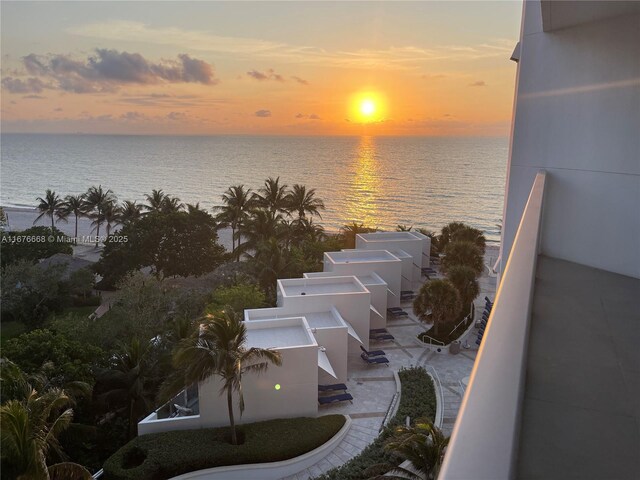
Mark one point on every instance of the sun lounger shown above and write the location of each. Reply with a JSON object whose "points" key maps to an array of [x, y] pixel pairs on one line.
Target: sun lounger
{"points": [[378, 330], [374, 360], [382, 338], [395, 309], [332, 388], [398, 314], [372, 353], [342, 397]]}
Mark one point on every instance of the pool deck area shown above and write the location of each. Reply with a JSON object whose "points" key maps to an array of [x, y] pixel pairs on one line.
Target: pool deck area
{"points": [[374, 386]]}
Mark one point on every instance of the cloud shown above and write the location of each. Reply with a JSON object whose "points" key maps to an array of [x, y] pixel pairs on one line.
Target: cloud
{"points": [[313, 116], [133, 116], [301, 115], [34, 97], [176, 116], [268, 75], [59, 109], [263, 113], [28, 85], [479, 83], [301, 81], [106, 71]]}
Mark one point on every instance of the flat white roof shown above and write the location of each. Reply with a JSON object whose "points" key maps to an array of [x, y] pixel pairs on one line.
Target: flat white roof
{"points": [[389, 236], [279, 333], [400, 253], [369, 279], [360, 256], [323, 319], [320, 286]]}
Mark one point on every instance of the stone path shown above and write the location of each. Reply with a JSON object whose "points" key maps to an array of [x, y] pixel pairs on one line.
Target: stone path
{"points": [[373, 387]]}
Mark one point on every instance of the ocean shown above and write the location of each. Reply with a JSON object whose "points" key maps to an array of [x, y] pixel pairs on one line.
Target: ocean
{"points": [[379, 181]]}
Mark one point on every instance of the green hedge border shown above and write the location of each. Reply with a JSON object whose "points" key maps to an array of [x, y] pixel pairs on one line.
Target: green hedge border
{"points": [[168, 454], [418, 400]]}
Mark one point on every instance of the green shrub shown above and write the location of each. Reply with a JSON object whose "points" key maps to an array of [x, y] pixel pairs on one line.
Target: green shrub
{"points": [[418, 400], [168, 454]]}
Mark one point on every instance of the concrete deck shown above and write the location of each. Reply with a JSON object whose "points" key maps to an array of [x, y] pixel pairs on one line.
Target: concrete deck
{"points": [[581, 405]]}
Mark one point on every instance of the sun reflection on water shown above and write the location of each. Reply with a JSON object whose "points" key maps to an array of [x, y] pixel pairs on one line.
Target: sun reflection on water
{"points": [[365, 186]]}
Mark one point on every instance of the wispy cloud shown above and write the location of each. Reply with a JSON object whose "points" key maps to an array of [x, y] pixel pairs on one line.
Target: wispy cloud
{"points": [[193, 40], [268, 75], [478, 83], [301, 81], [263, 113], [312, 116]]}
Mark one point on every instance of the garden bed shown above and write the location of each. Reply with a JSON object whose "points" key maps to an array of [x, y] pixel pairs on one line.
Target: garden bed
{"points": [[417, 400], [168, 454], [446, 335]]}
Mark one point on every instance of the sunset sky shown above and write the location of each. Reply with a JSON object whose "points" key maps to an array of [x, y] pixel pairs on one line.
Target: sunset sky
{"points": [[290, 68]]}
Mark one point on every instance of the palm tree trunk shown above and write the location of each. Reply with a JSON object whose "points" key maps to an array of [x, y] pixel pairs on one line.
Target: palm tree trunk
{"points": [[233, 241], [132, 432], [232, 423], [76, 235], [52, 225], [97, 234]]}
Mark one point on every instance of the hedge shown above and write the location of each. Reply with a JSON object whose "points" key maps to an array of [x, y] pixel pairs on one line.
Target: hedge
{"points": [[168, 454], [418, 400]]}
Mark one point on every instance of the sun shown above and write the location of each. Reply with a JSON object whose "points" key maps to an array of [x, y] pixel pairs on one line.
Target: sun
{"points": [[367, 107]]}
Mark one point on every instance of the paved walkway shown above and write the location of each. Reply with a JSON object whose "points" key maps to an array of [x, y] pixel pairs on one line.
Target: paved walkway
{"points": [[373, 387]]}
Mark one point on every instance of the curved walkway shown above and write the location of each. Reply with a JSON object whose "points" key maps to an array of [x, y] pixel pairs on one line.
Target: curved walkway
{"points": [[373, 387]]}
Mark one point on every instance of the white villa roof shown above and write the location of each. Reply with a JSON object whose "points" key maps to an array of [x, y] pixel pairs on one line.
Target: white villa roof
{"points": [[320, 286], [279, 333], [360, 256], [387, 236]]}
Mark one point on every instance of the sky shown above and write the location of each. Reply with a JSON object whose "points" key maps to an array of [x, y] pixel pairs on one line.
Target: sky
{"points": [[282, 68]]}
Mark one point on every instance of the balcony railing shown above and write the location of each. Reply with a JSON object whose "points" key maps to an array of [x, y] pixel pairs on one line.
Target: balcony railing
{"points": [[485, 437]]}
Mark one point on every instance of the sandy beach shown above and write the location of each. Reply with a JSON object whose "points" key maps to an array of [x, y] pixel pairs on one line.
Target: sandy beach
{"points": [[22, 218]]}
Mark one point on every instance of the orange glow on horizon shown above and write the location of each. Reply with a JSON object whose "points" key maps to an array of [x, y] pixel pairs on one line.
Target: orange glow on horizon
{"points": [[367, 107]]}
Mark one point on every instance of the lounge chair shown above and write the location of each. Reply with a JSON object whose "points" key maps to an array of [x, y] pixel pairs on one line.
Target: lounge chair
{"points": [[374, 360], [372, 353], [342, 397], [397, 314], [395, 309], [378, 330], [332, 388], [382, 337]]}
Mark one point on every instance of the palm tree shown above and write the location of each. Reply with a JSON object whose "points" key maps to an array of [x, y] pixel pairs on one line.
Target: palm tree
{"points": [[51, 206], [304, 230], [95, 201], [130, 212], [269, 262], [127, 383], [422, 444], [273, 196], [171, 205], [31, 422], [155, 200], [237, 202], [448, 231], [465, 280], [111, 216], [350, 231], [74, 205], [470, 234], [435, 240], [261, 226], [439, 301], [463, 253], [304, 201], [404, 228], [220, 349]]}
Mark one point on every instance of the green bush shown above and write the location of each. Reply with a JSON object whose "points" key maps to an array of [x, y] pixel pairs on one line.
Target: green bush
{"points": [[168, 454], [418, 400]]}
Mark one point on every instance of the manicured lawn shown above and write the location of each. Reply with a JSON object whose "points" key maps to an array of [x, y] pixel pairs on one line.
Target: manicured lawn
{"points": [[168, 454]]}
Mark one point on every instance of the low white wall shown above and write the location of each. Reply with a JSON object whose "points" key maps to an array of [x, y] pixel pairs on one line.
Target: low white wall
{"points": [[154, 425], [273, 470]]}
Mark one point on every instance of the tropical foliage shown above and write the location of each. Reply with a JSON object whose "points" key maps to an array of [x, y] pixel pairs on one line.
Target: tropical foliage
{"points": [[438, 301]]}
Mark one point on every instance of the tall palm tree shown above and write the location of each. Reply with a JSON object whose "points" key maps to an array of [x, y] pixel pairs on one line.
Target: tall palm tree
{"points": [[95, 201], [435, 240], [422, 444], [269, 262], [171, 205], [465, 280], [51, 206], [273, 196], [439, 301], [261, 226], [470, 234], [463, 253], [127, 383], [31, 422], [350, 231], [111, 216], [155, 201], [448, 231], [219, 349], [237, 203], [130, 212], [304, 201], [74, 205]]}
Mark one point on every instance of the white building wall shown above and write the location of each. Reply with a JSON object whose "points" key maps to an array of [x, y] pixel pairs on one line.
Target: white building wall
{"points": [[297, 397], [577, 115], [414, 248], [336, 342]]}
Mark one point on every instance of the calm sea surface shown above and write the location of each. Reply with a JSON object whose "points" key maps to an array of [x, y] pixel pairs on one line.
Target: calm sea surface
{"points": [[379, 181]]}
